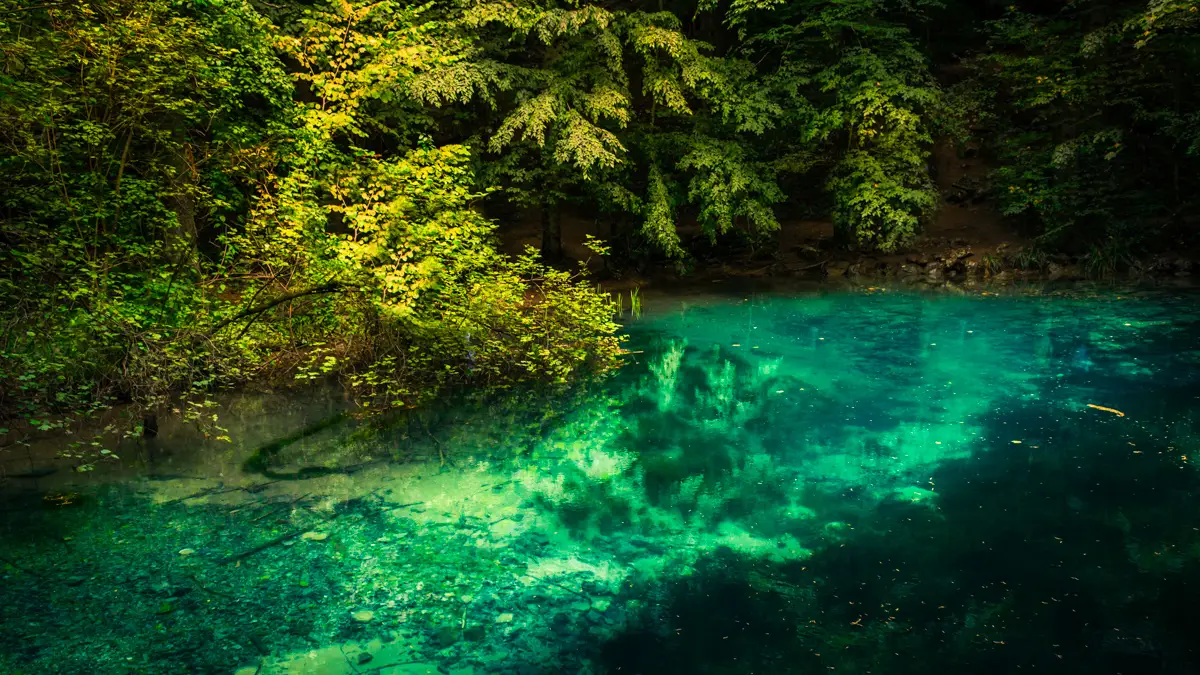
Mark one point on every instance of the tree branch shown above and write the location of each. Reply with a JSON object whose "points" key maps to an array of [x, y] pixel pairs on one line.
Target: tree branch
{"points": [[331, 287]]}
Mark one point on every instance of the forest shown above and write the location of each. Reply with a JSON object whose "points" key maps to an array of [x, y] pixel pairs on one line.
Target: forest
{"points": [[200, 194]]}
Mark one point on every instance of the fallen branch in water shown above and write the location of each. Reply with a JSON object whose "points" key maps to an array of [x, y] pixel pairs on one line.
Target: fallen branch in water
{"points": [[338, 510], [310, 472], [220, 490], [556, 585], [206, 589], [262, 547], [274, 509], [397, 507], [1114, 411]]}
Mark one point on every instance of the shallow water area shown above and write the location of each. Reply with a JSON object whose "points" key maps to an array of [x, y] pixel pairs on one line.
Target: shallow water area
{"points": [[785, 482]]}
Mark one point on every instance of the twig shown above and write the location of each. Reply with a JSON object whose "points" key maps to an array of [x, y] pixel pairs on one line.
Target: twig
{"points": [[353, 667], [809, 267], [332, 287], [262, 547], [441, 453], [272, 509], [209, 590], [220, 490], [203, 493], [290, 535], [558, 585], [386, 666], [35, 7]]}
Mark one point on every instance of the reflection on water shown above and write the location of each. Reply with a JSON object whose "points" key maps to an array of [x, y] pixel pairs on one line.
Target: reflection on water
{"points": [[847, 483]]}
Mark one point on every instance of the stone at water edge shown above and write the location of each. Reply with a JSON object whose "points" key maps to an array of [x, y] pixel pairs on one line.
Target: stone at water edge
{"points": [[364, 658], [364, 616]]}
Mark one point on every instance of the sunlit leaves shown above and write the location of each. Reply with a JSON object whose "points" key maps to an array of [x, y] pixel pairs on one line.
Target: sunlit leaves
{"points": [[880, 199], [411, 226], [586, 146], [1164, 17], [531, 120], [658, 220], [726, 187]]}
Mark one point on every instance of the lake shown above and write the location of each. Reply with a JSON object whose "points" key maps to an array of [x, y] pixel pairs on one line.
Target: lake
{"points": [[783, 482]]}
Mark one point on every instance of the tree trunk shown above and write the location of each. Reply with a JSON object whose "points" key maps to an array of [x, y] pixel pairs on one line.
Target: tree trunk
{"points": [[612, 240], [181, 240], [551, 234], [150, 425]]}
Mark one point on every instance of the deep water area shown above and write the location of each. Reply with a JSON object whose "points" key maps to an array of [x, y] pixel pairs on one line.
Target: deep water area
{"points": [[871, 482]]}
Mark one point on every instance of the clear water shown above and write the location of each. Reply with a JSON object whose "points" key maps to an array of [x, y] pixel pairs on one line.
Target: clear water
{"points": [[858, 483]]}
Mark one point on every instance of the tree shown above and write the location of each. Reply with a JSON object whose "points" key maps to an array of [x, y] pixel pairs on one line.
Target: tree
{"points": [[857, 95], [569, 122]]}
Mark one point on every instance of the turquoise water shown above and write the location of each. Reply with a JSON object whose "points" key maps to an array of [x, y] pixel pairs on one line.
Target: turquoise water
{"points": [[848, 483]]}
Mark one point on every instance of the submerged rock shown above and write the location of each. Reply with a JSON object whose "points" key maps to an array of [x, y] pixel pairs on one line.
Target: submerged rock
{"points": [[446, 636], [596, 588], [561, 624]]}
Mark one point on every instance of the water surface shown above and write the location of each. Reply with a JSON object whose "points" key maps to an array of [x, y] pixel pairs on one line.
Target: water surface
{"points": [[778, 483]]}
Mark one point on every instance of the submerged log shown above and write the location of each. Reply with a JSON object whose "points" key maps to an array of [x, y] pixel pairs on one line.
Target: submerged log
{"points": [[258, 462]]}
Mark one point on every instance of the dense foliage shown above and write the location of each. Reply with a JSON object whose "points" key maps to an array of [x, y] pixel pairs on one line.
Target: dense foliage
{"points": [[190, 202], [1093, 118], [201, 193]]}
